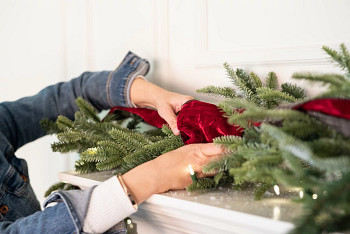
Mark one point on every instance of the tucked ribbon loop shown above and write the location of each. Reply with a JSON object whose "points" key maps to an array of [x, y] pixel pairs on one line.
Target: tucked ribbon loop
{"points": [[201, 122]]}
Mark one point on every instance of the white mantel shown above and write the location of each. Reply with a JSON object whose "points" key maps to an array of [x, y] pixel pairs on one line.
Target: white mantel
{"points": [[219, 211]]}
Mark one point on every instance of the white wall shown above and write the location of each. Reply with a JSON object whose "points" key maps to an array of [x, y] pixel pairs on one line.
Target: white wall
{"points": [[187, 41]]}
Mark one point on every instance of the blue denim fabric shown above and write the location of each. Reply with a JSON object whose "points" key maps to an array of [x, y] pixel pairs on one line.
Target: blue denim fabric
{"points": [[19, 124]]}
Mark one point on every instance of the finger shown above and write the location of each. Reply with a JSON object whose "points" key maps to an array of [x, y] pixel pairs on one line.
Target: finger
{"points": [[197, 167], [169, 116], [210, 149]]}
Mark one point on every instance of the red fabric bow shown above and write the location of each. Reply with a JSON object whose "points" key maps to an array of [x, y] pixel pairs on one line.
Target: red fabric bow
{"points": [[198, 122]]}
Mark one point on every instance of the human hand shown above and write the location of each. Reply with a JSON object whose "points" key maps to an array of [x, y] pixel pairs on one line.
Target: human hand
{"points": [[170, 170], [173, 171], [167, 103]]}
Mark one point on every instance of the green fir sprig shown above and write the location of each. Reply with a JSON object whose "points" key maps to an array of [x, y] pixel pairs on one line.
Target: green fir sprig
{"points": [[290, 148], [106, 144]]}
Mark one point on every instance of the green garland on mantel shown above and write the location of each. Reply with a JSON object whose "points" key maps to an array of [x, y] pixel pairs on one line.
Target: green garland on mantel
{"points": [[289, 149]]}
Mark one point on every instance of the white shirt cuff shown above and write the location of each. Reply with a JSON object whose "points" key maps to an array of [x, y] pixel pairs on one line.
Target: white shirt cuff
{"points": [[109, 204]]}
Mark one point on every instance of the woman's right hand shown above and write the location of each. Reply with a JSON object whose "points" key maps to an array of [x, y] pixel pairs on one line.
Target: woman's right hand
{"points": [[170, 170]]}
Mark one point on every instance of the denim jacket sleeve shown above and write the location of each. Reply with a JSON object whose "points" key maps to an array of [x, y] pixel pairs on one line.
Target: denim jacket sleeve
{"points": [[19, 120], [19, 124]]}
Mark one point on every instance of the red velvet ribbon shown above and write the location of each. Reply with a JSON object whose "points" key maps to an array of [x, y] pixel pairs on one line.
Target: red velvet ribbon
{"points": [[148, 115], [200, 122], [329, 106]]}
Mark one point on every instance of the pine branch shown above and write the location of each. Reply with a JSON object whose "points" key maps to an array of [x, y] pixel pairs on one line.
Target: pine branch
{"points": [[87, 109], [154, 134], [341, 92], [150, 151], [65, 147], [250, 116], [242, 83], [231, 74], [113, 145], [245, 174], [110, 163], [125, 139], [229, 159], [256, 79], [256, 161], [341, 58], [49, 126], [131, 138], [339, 165], [330, 147], [69, 136], [331, 79], [301, 128], [229, 142], [293, 90], [82, 166], [271, 80], [225, 92], [233, 105], [201, 184], [273, 97], [289, 144], [167, 130], [246, 80], [63, 123], [90, 155], [253, 150]]}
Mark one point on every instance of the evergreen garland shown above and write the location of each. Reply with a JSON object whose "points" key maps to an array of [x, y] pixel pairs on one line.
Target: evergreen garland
{"points": [[289, 148], [106, 144]]}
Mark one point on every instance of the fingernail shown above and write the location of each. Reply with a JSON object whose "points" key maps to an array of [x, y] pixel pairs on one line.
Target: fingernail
{"points": [[176, 131]]}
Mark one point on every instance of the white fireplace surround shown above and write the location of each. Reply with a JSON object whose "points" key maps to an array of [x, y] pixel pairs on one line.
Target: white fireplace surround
{"points": [[218, 211]]}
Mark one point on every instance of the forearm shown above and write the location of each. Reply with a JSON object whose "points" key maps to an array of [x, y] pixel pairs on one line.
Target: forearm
{"points": [[20, 120], [145, 94], [143, 181]]}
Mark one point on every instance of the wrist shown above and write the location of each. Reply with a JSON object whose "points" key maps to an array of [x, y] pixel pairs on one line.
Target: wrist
{"points": [[141, 177], [145, 94]]}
